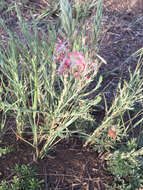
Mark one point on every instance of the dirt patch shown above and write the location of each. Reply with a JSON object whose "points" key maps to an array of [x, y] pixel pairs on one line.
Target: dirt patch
{"points": [[124, 5], [121, 36], [21, 154], [67, 166], [74, 167]]}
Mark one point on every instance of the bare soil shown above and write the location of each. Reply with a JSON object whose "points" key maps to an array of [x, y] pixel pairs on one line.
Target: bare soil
{"points": [[67, 166]]}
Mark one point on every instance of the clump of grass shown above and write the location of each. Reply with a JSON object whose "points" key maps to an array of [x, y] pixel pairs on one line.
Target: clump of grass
{"points": [[128, 95], [44, 90]]}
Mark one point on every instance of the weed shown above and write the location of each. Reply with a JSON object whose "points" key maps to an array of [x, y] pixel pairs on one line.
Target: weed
{"points": [[126, 166], [24, 178]]}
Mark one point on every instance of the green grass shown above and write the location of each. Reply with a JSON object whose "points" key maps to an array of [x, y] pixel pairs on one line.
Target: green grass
{"points": [[34, 93]]}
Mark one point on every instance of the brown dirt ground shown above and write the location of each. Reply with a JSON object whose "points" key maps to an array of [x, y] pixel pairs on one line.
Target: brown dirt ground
{"points": [[69, 166], [123, 38]]}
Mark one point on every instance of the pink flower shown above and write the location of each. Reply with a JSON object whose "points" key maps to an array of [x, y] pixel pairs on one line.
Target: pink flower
{"points": [[87, 77], [59, 57], [78, 69], [58, 47], [67, 64], [69, 54], [111, 133], [77, 64], [64, 67], [61, 42], [77, 54], [73, 61]]}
